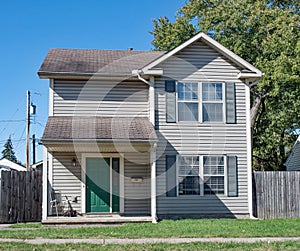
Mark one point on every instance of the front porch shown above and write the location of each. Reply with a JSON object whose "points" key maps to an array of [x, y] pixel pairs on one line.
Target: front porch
{"points": [[93, 172], [95, 219]]}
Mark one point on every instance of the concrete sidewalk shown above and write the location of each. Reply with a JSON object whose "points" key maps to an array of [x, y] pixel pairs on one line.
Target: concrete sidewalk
{"points": [[149, 240]]}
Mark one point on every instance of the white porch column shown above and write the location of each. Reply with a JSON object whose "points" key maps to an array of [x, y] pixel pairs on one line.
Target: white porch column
{"points": [[45, 184], [153, 184]]}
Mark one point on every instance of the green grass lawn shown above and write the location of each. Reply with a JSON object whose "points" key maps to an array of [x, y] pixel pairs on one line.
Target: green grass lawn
{"points": [[261, 246], [165, 229]]}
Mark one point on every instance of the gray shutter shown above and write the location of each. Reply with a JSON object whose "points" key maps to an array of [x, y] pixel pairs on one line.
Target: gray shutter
{"points": [[230, 103], [170, 90], [232, 182], [171, 182]]}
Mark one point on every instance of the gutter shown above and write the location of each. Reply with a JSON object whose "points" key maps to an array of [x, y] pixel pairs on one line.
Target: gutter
{"points": [[59, 141], [155, 72]]}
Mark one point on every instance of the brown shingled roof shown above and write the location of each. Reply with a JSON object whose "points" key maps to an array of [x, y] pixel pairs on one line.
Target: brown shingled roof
{"points": [[86, 61], [88, 128]]}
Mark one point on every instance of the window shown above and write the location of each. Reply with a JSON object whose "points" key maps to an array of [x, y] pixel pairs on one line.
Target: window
{"points": [[187, 101], [188, 175], [202, 175], [212, 102], [203, 102], [213, 169]]}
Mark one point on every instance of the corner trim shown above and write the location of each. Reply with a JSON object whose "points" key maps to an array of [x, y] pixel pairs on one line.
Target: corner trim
{"points": [[249, 150]]}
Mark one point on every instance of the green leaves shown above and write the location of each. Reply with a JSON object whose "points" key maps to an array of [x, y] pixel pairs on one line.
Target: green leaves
{"points": [[8, 151]]}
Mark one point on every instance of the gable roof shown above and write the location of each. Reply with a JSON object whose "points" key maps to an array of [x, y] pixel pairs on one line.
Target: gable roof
{"points": [[90, 62], [94, 128], [249, 71]]}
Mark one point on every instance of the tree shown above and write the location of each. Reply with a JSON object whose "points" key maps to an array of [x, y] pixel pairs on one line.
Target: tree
{"points": [[8, 151], [266, 34]]}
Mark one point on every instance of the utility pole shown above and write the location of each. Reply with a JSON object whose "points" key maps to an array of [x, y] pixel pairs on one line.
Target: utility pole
{"points": [[33, 149], [27, 132]]}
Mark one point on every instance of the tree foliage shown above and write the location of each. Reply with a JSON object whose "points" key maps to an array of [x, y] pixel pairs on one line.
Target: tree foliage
{"points": [[266, 34], [8, 151]]}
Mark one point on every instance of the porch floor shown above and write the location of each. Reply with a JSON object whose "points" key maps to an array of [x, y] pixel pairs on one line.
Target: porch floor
{"points": [[95, 219]]}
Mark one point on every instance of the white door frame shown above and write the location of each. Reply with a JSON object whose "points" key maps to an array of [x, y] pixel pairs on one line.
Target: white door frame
{"points": [[84, 156]]}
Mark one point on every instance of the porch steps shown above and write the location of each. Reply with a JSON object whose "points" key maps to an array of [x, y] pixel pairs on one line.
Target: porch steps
{"points": [[95, 219]]}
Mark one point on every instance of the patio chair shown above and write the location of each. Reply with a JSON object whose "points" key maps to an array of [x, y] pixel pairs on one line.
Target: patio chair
{"points": [[56, 202]]}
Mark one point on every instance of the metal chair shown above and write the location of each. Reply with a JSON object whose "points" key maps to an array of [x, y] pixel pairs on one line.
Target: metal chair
{"points": [[56, 202]]}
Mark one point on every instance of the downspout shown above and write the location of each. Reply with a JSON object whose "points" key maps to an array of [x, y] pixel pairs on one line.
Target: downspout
{"points": [[141, 78], [153, 148]]}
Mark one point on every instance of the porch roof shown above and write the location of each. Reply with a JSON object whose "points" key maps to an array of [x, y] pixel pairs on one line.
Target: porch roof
{"points": [[102, 129]]}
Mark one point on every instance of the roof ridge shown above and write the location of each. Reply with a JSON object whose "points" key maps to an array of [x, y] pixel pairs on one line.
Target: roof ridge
{"points": [[107, 50]]}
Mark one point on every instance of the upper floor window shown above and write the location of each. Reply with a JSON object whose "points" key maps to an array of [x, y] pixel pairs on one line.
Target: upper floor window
{"points": [[187, 101], [212, 102], [203, 102]]}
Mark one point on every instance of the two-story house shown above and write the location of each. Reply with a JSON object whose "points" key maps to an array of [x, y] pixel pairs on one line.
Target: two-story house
{"points": [[150, 133]]}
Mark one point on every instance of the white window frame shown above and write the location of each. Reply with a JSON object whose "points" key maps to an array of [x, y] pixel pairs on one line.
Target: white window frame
{"points": [[201, 102], [201, 175], [213, 102], [216, 175], [186, 101], [178, 175]]}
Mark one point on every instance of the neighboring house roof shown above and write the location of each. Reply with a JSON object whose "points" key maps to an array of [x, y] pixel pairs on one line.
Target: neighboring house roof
{"points": [[8, 165], [249, 71], [67, 128], [90, 62], [293, 161], [38, 164]]}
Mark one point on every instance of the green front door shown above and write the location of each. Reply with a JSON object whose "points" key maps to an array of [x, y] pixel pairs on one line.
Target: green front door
{"points": [[101, 196]]}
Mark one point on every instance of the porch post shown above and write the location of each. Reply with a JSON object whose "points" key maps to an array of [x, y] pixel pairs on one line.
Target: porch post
{"points": [[153, 184], [45, 184]]}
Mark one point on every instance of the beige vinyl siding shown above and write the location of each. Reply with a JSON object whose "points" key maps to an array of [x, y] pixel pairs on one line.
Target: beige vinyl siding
{"points": [[100, 98], [200, 63], [66, 178], [137, 195]]}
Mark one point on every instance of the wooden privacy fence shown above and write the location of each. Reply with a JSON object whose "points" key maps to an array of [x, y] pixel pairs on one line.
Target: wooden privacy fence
{"points": [[21, 196], [276, 195]]}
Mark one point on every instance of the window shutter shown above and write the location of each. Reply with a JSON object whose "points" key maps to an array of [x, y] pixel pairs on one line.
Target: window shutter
{"points": [[170, 100], [171, 182], [232, 182], [230, 103]]}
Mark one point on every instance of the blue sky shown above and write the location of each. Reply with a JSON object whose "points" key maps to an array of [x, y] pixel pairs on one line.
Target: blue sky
{"points": [[29, 28]]}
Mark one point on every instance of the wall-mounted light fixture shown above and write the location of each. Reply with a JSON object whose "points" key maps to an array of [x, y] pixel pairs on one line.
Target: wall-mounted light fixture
{"points": [[74, 162], [136, 179]]}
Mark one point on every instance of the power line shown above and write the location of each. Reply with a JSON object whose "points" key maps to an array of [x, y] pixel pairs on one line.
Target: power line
{"points": [[12, 120]]}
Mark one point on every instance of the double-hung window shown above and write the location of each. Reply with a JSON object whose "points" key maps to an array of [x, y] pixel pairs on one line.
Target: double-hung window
{"points": [[201, 175], [214, 178], [188, 175], [195, 178], [212, 102], [187, 96], [202, 102]]}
